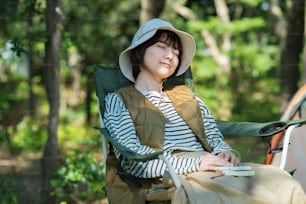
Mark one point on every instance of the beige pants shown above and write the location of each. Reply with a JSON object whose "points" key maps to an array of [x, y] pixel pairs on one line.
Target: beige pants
{"points": [[270, 185]]}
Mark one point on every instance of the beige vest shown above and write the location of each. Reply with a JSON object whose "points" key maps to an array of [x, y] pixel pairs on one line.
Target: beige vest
{"points": [[150, 124]]}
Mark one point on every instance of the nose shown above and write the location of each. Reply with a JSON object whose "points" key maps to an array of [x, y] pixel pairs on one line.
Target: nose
{"points": [[169, 53]]}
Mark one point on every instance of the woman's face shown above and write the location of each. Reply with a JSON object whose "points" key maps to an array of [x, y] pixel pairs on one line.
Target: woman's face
{"points": [[161, 59]]}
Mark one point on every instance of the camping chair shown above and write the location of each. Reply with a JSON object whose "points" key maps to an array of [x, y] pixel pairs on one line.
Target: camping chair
{"points": [[288, 150], [109, 79]]}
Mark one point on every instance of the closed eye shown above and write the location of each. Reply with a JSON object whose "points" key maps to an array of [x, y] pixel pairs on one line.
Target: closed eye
{"points": [[176, 52], [164, 45]]}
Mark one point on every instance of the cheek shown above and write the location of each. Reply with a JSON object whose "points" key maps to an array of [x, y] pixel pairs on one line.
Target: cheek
{"points": [[176, 61], [147, 58], [149, 54]]}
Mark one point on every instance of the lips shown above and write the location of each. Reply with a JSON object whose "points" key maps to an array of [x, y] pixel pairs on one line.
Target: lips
{"points": [[166, 64]]}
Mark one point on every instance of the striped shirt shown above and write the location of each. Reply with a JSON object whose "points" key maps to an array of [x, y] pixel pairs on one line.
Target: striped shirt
{"points": [[178, 136]]}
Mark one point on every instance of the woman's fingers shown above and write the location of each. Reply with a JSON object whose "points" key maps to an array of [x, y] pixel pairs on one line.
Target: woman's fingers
{"points": [[210, 162], [230, 156]]}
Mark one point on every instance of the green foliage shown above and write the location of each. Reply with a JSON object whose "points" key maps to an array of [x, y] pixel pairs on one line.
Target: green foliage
{"points": [[72, 135], [100, 29], [246, 24], [235, 27], [19, 131], [27, 135], [251, 80], [80, 178], [17, 47], [9, 98], [7, 194], [252, 3]]}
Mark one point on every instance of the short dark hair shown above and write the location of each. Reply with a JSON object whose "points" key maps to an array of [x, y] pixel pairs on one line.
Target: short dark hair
{"points": [[137, 54]]}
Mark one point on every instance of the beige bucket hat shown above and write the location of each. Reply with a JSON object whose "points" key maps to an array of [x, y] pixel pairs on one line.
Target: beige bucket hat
{"points": [[147, 31]]}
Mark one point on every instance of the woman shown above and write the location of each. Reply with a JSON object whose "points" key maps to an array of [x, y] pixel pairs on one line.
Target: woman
{"points": [[147, 118]]}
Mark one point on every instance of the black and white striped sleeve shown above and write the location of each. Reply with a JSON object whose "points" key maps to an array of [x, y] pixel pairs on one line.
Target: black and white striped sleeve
{"points": [[214, 137]]}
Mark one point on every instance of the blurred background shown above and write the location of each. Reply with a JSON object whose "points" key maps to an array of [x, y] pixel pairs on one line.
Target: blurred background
{"points": [[250, 60]]}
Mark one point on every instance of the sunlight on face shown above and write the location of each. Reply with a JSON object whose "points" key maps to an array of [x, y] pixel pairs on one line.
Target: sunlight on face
{"points": [[162, 58]]}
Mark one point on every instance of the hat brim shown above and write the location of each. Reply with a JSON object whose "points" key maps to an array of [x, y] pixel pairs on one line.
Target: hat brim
{"points": [[188, 46]]}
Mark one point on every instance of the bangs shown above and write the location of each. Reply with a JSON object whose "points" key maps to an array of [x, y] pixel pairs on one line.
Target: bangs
{"points": [[171, 39]]}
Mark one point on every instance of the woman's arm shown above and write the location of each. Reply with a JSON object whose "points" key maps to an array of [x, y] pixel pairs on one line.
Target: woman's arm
{"points": [[215, 138]]}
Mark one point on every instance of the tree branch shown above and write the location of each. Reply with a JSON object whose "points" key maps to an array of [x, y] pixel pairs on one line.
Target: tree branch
{"points": [[184, 11]]}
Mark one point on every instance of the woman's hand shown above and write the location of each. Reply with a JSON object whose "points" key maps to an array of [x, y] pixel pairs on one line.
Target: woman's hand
{"points": [[209, 162], [230, 157]]}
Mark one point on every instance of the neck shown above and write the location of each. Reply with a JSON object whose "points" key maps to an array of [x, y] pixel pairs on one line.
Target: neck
{"points": [[144, 83]]}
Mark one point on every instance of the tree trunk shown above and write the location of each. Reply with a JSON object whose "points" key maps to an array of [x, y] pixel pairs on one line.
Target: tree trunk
{"points": [[30, 59], [151, 9], [278, 21], [52, 83], [291, 52]]}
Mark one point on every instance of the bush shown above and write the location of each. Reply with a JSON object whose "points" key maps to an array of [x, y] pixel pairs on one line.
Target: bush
{"points": [[7, 193], [81, 178], [27, 135]]}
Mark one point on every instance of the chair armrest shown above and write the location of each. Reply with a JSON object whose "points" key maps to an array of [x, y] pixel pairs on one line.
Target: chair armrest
{"points": [[126, 152], [255, 129]]}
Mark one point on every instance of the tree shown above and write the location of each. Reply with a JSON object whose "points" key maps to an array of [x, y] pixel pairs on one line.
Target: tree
{"points": [[87, 40], [221, 32], [291, 51], [30, 56], [151, 9], [52, 84]]}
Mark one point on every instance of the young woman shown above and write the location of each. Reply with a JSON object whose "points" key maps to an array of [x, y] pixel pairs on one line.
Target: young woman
{"points": [[147, 118]]}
